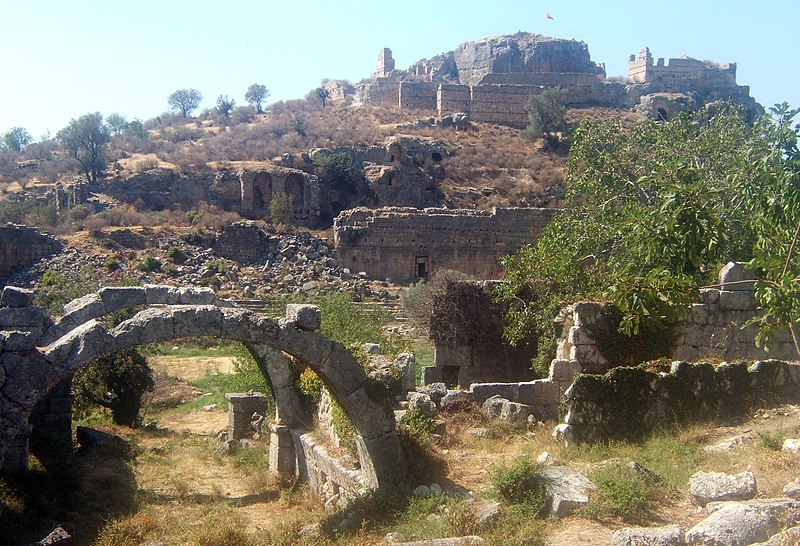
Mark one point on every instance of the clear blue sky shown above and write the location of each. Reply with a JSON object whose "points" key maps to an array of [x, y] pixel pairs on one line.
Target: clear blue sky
{"points": [[61, 59]]}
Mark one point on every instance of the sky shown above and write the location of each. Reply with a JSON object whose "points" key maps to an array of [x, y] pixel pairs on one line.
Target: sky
{"points": [[60, 59]]}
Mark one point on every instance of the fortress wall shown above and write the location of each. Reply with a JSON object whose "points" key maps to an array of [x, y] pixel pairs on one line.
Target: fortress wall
{"points": [[21, 246], [381, 92], [504, 104], [395, 242], [452, 98], [418, 95]]}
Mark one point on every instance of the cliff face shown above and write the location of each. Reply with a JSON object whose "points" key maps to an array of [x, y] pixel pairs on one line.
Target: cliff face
{"points": [[523, 52]]}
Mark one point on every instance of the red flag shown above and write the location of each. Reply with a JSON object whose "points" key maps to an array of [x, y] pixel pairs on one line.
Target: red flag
{"points": [[549, 16]]}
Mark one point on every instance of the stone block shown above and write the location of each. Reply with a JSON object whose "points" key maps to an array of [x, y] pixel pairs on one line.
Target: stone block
{"points": [[550, 394], [197, 296], [248, 403], [17, 342], [156, 294], [282, 457], [484, 391], [493, 406], [121, 297], [734, 277], [23, 318], [564, 370], [709, 296], [514, 412], [196, 321], [305, 317], [568, 489], [530, 392], [705, 487], [382, 460], [84, 309], [737, 300], [579, 336], [14, 296], [588, 356]]}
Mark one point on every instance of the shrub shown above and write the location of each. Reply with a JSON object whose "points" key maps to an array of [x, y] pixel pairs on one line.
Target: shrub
{"points": [[112, 263], [281, 209], [149, 263], [177, 255], [769, 440], [621, 493], [522, 483]]}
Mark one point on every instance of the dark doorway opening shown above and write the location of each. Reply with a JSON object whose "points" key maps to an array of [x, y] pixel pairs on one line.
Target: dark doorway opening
{"points": [[437, 157], [450, 376], [421, 269], [662, 115]]}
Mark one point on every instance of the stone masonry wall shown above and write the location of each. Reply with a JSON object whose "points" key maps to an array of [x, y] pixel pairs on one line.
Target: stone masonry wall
{"points": [[21, 246], [418, 95], [407, 243]]}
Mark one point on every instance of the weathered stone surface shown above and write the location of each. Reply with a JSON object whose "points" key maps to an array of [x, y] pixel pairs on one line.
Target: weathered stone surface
{"points": [[422, 404], [435, 390], [705, 487], [493, 406], [484, 391], [670, 535], [726, 445], [406, 366], [791, 445], [743, 523], [17, 341], [487, 513], [156, 294], [456, 398], [306, 317], [735, 277], [514, 412], [22, 317], [14, 296], [792, 489], [148, 326], [789, 537], [85, 308], [90, 438], [454, 541], [115, 298], [568, 488], [58, 537]]}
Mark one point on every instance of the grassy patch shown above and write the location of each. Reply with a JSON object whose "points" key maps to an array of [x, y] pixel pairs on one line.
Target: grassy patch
{"points": [[521, 483], [620, 493]]}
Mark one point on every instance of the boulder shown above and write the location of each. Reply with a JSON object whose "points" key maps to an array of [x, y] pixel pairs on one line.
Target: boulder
{"points": [[90, 438], [791, 445], [670, 535], [305, 317], [493, 406], [59, 537], [422, 404], [705, 487], [743, 523], [13, 296], [788, 537], [792, 489], [486, 513], [456, 399], [568, 488]]}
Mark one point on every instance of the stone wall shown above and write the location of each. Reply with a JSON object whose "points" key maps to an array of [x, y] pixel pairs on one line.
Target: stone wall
{"points": [[327, 477], [418, 95], [22, 246], [681, 71], [406, 243], [379, 92], [631, 401]]}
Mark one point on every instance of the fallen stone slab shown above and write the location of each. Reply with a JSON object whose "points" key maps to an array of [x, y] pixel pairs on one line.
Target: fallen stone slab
{"points": [[670, 535], [726, 445], [90, 438], [568, 488], [486, 514], [705, 487], [743, 523]]}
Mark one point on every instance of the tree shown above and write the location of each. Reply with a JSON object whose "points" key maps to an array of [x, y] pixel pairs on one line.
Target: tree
{"points": [[654, 208], [323, 95], [116, 382], [17, 138], [338, 170], [185, 100], [255, 95], [136, 128], [116, 123], [281, 209], [85, 139], [546, 115], [225, 105]]}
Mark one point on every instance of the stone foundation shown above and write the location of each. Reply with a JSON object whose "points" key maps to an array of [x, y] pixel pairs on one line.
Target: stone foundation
{"points": [[21, 246]]}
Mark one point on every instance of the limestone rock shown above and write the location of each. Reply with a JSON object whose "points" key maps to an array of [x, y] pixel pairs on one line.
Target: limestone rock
{"points": [[791, 445], [455, 541], [435, 390], [792, 489], [516, 413], [406, 366], [493, 406], [59, 537], [456, 399], [726, 445], [486, 513], [705, 487], [671, 535], [788, 537], [90, 438], [13, 296], [743, 523], [422, 404], [568, 488], [305, 317]]}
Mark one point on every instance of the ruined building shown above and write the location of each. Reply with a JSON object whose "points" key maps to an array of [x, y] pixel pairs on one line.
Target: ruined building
{"points": [[491, 80], [404, 243]]}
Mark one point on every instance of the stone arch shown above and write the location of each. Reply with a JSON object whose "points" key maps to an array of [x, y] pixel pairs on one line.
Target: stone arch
{"points": [[174, 313]]}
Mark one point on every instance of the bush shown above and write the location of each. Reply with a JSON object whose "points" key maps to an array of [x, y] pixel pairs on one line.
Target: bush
{"points": [[177, 255], [116, 382], [620, 493], [522, 484], [149, 263]]}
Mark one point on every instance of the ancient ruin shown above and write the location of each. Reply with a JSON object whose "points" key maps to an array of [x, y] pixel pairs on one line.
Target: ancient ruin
{"points": [[404, 244], [491, 79], [21, 246], [40, 354]]}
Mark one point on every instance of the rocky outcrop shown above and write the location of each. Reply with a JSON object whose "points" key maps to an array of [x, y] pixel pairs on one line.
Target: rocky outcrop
{"points": [[523, 52]]}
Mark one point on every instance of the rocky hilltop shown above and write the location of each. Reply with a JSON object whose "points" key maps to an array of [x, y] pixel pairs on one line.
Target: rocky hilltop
{"points": [[522, 52]]}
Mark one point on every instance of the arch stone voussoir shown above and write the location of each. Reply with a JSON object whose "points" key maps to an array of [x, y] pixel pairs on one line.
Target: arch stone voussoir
{"points": [[196, 321], [152, 325]]}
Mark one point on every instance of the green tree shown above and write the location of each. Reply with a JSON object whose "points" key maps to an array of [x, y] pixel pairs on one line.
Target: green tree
{"points": [[185, 101], [546, 115], [85, 140], [323, 95], [225, 105], [338, 170], [654, 208], [17, 138], [773, 202], [117, 382], [116, 123], [136, 128], [255, 95], [281, 209]]}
